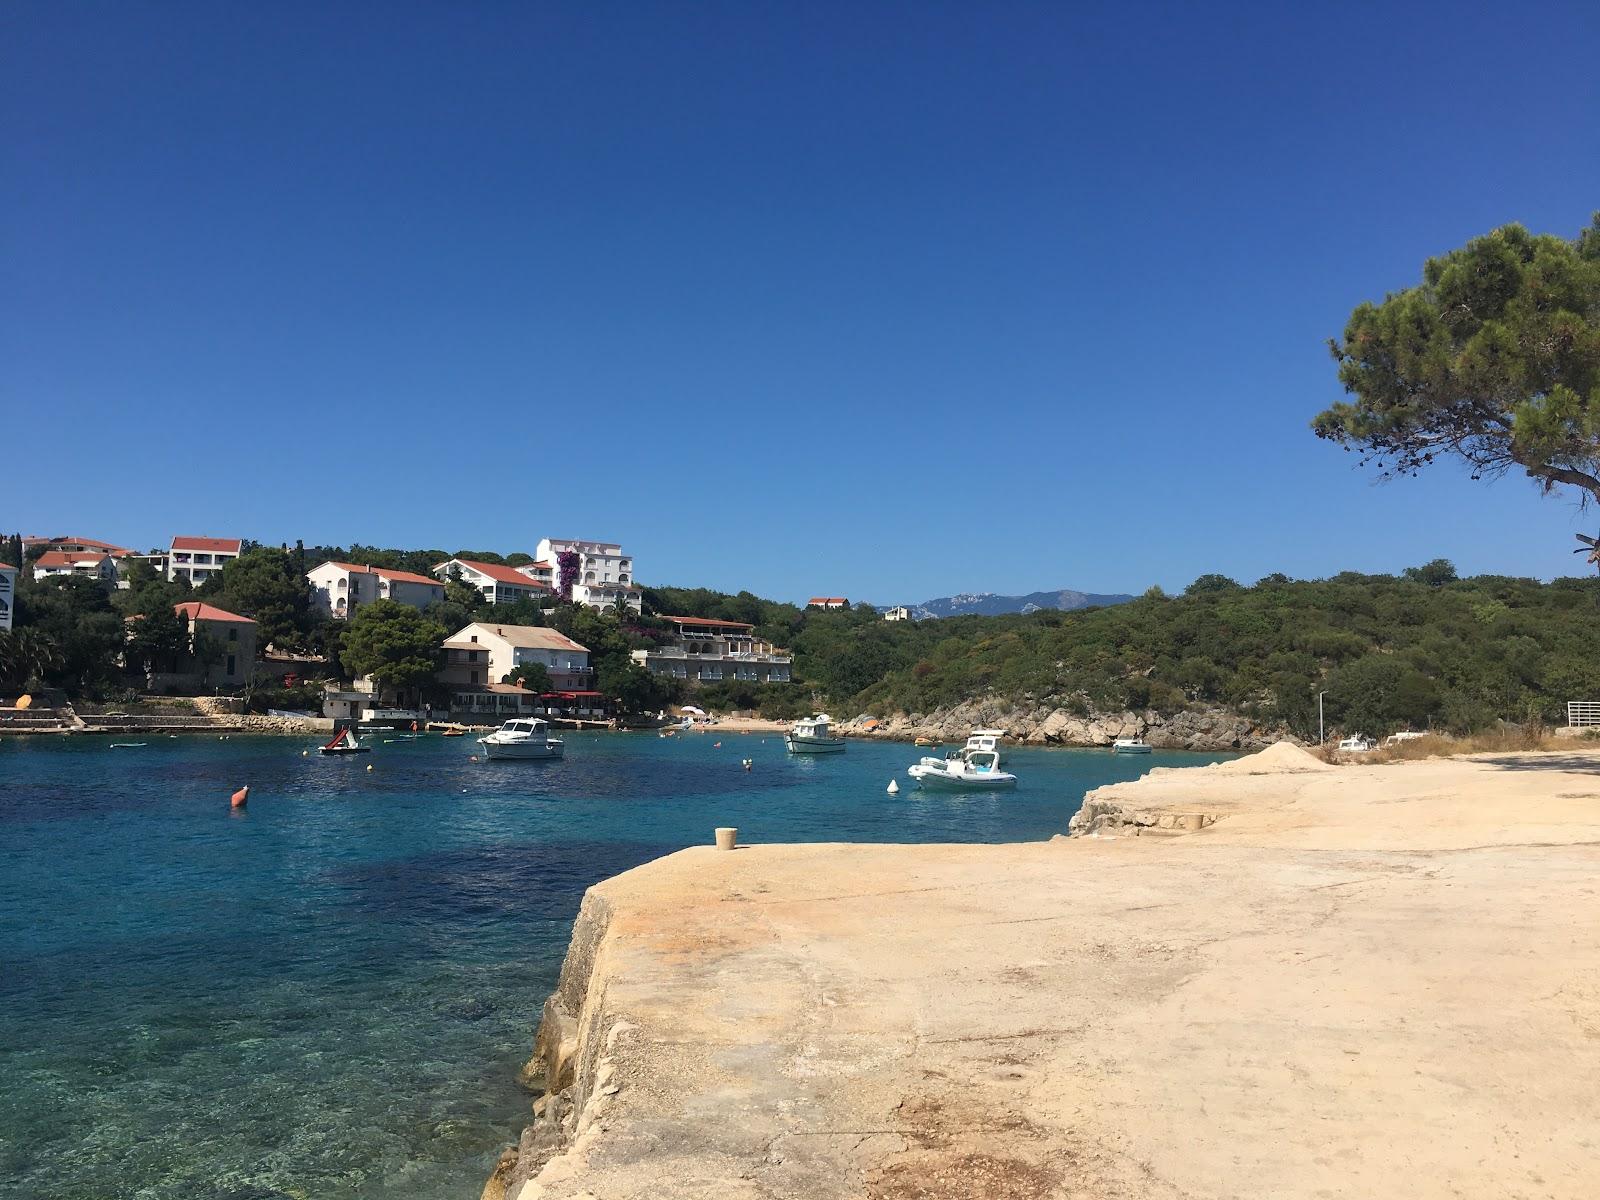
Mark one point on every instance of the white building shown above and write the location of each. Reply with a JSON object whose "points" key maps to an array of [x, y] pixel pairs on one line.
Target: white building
{"points": [[898, 613], [483, 653], [605, 573], [8, 594], [197, 559], [710, 651], [90, 564], [827, 602], [539, 572], [339, 588], [498, 583]]}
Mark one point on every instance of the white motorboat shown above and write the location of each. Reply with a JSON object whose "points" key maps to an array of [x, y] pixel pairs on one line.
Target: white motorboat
{"points": [[522, 738], [1130, 746], [1357, 744], [813, 735], [969, 770]]}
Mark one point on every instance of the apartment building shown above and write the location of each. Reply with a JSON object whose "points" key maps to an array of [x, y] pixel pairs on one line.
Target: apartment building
{"points": [[704, 650], [197, 559], [605, 574], [339, 588], [498, 583]]}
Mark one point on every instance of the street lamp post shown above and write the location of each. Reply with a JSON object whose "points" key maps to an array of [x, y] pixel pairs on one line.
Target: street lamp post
{"points": [[1320, 736]]}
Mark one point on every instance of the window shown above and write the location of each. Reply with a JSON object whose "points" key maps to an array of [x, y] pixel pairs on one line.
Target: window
{"points": [[233, 636], [475, 677], [231, 665]]}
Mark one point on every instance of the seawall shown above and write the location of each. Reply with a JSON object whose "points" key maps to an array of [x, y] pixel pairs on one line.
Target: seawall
{"points": [[1341, 980]]}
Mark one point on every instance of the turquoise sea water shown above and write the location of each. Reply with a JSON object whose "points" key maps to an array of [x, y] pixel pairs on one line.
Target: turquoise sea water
{"points": [[329, 994]]}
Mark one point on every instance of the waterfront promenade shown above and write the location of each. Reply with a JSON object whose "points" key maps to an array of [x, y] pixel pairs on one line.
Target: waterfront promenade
{"points": [[1355, 982]]}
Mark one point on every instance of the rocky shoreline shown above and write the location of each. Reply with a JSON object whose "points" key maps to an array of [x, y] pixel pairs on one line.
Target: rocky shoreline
{"points": [[1033, 723], [830, 1020]]}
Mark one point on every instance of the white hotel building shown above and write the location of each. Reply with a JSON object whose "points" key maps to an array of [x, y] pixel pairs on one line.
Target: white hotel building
{"points": [[605, 573], [339, 588], [710, 651], [499, 584], [197, 559]]}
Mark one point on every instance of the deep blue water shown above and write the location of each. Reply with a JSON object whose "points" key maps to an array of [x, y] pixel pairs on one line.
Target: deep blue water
{"points": [[329, 994]]}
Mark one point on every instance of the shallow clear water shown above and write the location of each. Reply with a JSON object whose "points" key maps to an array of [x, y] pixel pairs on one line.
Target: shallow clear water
{"points": [[329, 995]]}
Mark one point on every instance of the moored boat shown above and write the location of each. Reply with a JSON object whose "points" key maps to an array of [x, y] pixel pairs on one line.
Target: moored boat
{"points": [[813, 735], [523, 738], [970, 770], [1130, 746]]}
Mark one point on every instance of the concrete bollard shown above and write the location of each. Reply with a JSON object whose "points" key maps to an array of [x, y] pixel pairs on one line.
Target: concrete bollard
{"points": [[1193, 821], [727, 838]]}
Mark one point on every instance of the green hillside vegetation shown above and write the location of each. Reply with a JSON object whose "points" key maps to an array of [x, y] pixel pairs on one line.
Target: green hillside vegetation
{"points": [[1421, 649]]}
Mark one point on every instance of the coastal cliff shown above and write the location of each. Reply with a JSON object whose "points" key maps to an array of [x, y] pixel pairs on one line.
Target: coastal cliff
{"points": [[1300, 989], [1040, 724]]}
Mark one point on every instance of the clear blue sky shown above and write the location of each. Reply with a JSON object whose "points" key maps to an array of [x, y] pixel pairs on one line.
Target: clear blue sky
{"points": [[883, 300]]}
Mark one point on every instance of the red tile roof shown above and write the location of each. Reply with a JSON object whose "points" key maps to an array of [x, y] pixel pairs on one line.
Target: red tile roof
{"points": [[499, 573], [207, 544], [197, 610], [67, 558], [708, 621], [819, 600], [386, 573], [68, 540]]}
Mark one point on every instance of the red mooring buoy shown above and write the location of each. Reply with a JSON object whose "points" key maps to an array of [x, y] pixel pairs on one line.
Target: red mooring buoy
{"points": [[241, 797]]}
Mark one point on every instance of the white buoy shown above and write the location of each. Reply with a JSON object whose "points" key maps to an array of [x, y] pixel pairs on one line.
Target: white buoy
{"points": [[894, 787]]}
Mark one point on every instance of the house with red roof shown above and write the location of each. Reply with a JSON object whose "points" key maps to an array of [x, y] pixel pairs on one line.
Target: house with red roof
{"points": [[707, 650], [499, 584], [224, 643], [197, 559], [74, 544], [339, 588], [827, 602], [88, 564], [221, 654]]}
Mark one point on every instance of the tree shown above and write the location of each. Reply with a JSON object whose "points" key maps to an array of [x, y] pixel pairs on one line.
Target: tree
{"points": [[156, 641], [1435, 574], [1494, 359], [395, 644], [262, 584], [533, 676], [27, 656], [633, 688], [13, 551], [1207, 585]]}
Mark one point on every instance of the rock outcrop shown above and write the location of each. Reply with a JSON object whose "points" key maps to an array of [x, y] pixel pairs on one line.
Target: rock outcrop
{"points": [[1301, 996], [1041, 724]]}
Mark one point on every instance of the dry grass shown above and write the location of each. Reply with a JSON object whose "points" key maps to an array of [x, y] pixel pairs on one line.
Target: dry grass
{"points": [[1439, 745]]}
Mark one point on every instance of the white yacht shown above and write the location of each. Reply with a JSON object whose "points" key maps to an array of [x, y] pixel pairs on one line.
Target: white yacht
{"points": [[969, 770], [522, 737], [813, 735], [1130, 746], [975, 767]]}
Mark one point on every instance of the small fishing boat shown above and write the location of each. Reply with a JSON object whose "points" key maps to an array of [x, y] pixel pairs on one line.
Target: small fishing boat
{"points": [[128, 745], [523, 738], [813, 735], [1130, 746], [345, 742], [1358, 744], [455, 733], [925, 742]]}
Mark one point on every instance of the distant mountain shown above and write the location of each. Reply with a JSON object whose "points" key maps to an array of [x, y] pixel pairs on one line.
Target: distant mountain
{"points": [[991, 604]]}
